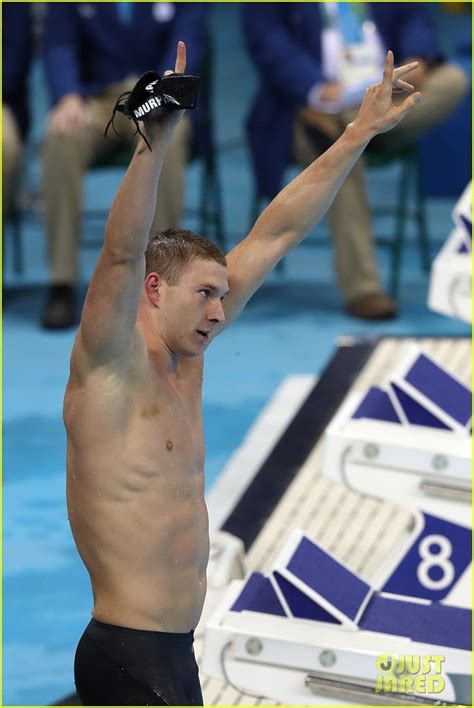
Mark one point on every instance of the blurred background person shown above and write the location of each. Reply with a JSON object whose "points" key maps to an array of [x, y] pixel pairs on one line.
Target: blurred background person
{"points": [[93, 52], [314, 61], [17, 54]]}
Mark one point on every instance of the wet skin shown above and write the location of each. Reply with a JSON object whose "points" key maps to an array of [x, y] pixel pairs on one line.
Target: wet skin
{"points": [[133, 402], [135, 483]]}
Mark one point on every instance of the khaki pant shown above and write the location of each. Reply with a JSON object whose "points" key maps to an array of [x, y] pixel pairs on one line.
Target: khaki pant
{"points": [[11, 158], [65, 160], [349, 216]]}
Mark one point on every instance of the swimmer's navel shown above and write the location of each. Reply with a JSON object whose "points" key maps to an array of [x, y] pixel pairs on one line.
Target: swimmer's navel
{"points": [[149, 412], [169, 445]]}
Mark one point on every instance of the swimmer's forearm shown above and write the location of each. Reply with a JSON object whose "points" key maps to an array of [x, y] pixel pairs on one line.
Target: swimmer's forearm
{"points": [[131, 216], [305, 201]]}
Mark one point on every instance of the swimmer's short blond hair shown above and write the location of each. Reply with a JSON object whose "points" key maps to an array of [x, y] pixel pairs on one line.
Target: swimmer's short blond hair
{"points": [[170, 251]]}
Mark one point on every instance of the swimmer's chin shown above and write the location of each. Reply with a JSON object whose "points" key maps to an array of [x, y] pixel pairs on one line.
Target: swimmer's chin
{"points": [[190, 353], [189, 350]]}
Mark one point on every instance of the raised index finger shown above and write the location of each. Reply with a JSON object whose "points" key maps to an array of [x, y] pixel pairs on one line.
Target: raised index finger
{"points": [[388, 71], [180, 65]]}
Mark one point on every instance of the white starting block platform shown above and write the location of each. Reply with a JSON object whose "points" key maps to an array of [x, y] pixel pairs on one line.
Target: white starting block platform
{"points": [[274, 484], [450, 291], [407, 441], [314, 627]]}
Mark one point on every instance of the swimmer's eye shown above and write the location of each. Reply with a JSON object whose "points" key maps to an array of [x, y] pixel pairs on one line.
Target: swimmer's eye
{"points": [[205, 293]]}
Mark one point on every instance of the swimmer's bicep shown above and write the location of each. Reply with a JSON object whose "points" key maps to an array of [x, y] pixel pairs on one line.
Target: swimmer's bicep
{"points": [[110, 309], [248, 265]]}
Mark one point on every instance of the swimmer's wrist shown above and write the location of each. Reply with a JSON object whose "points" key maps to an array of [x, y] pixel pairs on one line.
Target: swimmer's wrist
{"points": [[158, 136], [164, 126], [358, 135]]}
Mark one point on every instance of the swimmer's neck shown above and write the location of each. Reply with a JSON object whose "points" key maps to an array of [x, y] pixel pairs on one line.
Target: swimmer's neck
{"points": [[164, 360]]}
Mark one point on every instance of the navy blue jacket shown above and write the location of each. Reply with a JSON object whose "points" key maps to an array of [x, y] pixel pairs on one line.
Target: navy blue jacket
{"points": [[284, 42], [87, 47], [17, 52]]}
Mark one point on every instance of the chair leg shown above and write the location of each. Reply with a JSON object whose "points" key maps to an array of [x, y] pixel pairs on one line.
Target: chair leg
{"points": [[16, 239], [3, 251], [420, 216], [17, 244], [204, 198], [218, 207], [211, 211], [400, 225]]}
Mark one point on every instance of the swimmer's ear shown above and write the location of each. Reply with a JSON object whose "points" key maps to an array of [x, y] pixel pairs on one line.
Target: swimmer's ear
{"points": [[152, 285]]}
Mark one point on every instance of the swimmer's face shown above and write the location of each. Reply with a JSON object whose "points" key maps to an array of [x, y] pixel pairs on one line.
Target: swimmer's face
{"points": [[191, 310]]}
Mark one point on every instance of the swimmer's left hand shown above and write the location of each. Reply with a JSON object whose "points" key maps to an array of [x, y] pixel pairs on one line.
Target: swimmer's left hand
{"points": [[377, 113]]}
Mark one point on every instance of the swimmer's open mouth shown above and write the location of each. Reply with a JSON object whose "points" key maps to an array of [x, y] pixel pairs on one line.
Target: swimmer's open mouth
{"points": [[203, 333]]}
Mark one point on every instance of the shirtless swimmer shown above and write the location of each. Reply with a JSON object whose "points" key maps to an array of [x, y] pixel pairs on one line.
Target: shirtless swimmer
{"points": [[135, 460]]}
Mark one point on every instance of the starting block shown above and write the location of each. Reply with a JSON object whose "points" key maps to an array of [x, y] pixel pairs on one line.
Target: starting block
{"points": [[261, 639], [409, 442], [432, 562], [306, 571], [450, 290], [423, 393]]}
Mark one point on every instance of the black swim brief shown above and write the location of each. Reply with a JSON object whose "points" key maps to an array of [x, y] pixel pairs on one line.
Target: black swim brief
{"points": [[118, 666]]}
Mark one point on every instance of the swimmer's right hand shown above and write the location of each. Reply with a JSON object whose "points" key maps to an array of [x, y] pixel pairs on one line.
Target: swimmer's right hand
{"points": [[69, 116], [156, 103], [172, 118], [180, 63]]}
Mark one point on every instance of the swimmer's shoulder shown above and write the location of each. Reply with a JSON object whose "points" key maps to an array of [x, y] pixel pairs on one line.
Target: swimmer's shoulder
{"points": [[105, 391], [83, 364]]}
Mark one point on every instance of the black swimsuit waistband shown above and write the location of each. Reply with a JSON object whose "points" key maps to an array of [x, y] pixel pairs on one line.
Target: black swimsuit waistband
{"points": [[170, 638]]}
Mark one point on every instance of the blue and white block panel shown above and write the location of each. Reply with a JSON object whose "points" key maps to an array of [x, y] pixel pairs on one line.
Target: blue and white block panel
{"points": [[436, 565], [258, 595], [376, 405], [462, 216], [320, 578], [424, 622], [346, 601], [424, 393], [450, 291]]}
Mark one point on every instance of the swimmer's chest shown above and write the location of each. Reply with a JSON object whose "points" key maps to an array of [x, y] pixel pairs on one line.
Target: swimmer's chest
{"points": [[149, 420], [166, 416]]}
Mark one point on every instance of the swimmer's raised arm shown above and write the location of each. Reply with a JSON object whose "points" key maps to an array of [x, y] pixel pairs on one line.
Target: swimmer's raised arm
{"points": [[109, 314], [305, 201]]}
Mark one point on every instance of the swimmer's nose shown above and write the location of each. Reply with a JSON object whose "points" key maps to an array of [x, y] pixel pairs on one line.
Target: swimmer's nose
{"points": [[217, 313]]}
